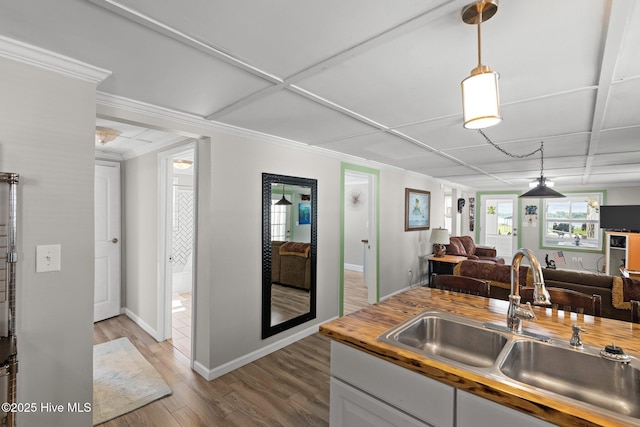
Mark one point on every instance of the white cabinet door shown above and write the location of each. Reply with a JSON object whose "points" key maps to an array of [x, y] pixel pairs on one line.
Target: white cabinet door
{"points": [[421, 397], [350, 407], [474, 411]]}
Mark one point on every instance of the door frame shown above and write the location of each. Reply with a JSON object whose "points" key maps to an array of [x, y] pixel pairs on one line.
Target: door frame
{"points": [[374, 218], [165, 231], [517, 216]]}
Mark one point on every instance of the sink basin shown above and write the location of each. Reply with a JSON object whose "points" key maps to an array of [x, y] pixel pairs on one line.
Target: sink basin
{"points": [[448, 337], [579, 375]]}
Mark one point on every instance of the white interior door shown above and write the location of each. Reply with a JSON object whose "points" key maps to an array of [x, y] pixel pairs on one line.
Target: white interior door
{"points": [[107, 241], [498, 223]]}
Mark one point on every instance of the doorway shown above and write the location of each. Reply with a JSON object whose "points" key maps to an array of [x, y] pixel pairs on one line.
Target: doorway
{"points": [[359, 238], [177, 173], [498, 223]]}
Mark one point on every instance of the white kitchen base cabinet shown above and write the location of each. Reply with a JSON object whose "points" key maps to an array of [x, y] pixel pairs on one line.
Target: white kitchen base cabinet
{"points": [[396, 389], [474, 411], [355, 408], [367, 391]]}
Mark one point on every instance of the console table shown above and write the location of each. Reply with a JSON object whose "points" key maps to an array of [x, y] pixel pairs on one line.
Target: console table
{"points": [[441, 265]]}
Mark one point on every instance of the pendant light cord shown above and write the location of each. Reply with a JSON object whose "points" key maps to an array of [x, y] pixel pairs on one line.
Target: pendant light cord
{"points": [[515, 156]]}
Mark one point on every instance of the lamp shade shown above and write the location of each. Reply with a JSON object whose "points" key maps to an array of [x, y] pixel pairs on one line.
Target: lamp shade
{"points": [[542, 190], [440, 236], [481, 99]]}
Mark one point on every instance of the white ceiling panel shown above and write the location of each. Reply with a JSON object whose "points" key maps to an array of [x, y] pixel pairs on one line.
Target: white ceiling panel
{"points": [[562, 114], [623, 140], [629, 60], [294, 117], [282, 37], [398, 90], [544, 47], [378, 145], [624, 108]]}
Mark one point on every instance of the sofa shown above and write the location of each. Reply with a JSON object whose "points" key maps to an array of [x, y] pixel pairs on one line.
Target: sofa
{"points": [[291, 264], [465, 246], [615, 293]]}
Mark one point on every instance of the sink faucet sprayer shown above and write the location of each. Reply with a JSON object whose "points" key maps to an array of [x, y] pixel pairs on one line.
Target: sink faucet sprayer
{"points": [[516, 313]]}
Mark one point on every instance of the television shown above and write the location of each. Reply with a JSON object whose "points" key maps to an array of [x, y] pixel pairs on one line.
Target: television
{"points": [[620, 218]]}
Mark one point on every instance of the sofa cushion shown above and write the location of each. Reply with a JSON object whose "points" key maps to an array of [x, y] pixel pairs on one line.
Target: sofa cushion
{"points": [[498, 274], [572, 276], [455, 247], [469, 246]]}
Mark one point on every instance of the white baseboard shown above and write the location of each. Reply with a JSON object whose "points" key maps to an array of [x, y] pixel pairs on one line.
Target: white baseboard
{"points": [[210, 374], [353, 267], [138, 321]]}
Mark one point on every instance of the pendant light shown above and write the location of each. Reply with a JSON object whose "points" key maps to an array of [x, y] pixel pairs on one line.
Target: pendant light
{"points": [[283, 201], [543, 188], [480, 95]]}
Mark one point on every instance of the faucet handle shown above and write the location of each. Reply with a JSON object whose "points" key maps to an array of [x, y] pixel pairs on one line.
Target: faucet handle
{"points": [[576, 339], [532, 315]]}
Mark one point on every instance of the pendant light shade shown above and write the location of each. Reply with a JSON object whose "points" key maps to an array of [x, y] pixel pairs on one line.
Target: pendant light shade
{"points": [[283, 201], [480, 93], [481, 99], [543, 188]]}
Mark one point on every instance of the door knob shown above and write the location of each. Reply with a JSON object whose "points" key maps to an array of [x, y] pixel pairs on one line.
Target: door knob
{"points": [[114, 240]]}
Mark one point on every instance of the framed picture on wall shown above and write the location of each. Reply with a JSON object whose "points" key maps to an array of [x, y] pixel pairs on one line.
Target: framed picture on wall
{"points": [[417, 204], [304, 213]]}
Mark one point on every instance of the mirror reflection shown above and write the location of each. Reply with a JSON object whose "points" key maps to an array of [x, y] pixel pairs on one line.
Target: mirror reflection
{"points": [[289, 251]]}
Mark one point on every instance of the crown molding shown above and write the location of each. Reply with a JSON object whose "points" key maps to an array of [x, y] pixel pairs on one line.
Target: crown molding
{"points": [[47, 60]]}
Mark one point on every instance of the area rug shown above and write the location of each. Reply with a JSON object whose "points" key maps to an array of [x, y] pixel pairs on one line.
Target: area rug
{"points": [[123, 380]]}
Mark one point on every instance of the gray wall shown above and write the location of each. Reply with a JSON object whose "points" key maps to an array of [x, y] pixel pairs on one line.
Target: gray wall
{"points": [[47, 125]]}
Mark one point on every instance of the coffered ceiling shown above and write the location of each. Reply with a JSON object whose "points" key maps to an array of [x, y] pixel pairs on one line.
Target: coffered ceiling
{"points": [[376, 79]]}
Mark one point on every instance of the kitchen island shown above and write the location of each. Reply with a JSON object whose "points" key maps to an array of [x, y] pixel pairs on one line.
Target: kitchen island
{"points": [[359, 331]]}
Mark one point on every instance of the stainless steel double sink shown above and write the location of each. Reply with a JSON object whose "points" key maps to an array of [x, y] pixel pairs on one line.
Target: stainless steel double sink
{"points": [[580, 377]]}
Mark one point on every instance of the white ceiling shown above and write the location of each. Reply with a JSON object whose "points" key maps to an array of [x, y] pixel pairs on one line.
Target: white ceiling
{"points": [[376, 79]]}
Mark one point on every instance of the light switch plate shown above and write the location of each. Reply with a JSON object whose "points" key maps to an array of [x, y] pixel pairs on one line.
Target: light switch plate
{"points": [[47, 258]]}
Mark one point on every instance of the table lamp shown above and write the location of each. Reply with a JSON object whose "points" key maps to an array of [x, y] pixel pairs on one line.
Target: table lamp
{"points": [[439, 238]]}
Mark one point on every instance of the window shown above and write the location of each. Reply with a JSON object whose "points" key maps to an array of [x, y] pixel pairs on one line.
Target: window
{"points": [[573, 222], [278, 221]]}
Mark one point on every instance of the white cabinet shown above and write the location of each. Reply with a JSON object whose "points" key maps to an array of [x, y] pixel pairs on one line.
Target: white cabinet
{"points": [[355, 408], [367, 391], [384, 390], [474, 411]]}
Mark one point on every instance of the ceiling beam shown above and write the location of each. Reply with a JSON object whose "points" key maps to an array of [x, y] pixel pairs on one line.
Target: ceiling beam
{"points": [[619, 12]]}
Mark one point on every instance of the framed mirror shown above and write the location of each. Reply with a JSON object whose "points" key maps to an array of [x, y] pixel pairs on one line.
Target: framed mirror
{"points": [[289, 246]]}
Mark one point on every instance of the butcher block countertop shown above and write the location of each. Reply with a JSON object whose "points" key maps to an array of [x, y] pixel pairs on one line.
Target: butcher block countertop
{"points": [[361, 329]]}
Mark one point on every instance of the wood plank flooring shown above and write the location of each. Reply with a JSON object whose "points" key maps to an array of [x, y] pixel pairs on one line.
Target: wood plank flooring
{"points": [[289, 387], [355, 291]]}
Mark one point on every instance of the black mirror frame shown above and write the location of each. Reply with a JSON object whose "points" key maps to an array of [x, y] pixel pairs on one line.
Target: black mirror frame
{"points": [[268, 179]]}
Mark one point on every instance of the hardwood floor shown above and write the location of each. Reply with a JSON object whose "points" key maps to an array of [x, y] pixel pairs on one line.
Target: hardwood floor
{"points": [[287, 303], [289, 387], [355, 291]]}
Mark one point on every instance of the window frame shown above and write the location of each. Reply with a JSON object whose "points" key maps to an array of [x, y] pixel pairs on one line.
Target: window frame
{"points": [[577, 196]]}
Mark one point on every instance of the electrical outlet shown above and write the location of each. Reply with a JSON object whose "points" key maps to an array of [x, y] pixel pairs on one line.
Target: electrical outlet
{"points": [[574, 259], [410, 272], [579, 259]]}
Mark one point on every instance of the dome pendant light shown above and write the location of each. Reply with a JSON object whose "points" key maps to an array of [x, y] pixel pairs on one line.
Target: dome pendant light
{"points": [[543, 189], [283, 201], [480, 95]]}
